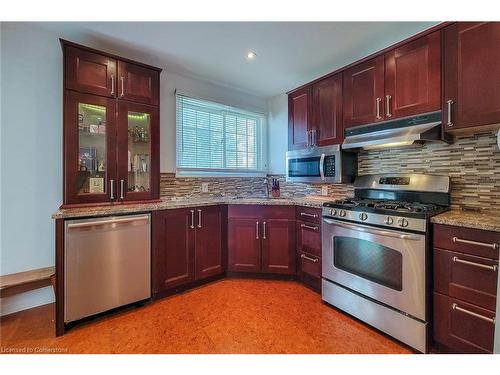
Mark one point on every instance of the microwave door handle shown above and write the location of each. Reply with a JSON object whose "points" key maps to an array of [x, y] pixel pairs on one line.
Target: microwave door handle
{"points": [[362, 228], [322, 167]]}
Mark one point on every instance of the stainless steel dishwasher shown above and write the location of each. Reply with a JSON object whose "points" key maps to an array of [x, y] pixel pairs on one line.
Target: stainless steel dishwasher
{"points": [[107, 264]]}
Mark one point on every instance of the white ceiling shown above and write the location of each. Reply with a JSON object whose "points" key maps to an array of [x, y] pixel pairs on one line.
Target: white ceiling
{"points": [[288, 53]]}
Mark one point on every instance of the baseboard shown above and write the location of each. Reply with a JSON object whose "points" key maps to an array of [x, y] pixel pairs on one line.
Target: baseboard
{"points": [[26, 300]]}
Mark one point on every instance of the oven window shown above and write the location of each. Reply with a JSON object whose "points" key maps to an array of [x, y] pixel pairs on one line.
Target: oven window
{"points": [[304, 167], [369, 260]]}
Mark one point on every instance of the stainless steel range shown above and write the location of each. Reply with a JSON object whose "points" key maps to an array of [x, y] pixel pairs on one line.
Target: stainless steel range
{"points": [[376, 251]]}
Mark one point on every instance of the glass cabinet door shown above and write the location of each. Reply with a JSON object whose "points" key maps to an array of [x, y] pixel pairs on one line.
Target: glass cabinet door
{"points": [[137, 151], [90, 149]]}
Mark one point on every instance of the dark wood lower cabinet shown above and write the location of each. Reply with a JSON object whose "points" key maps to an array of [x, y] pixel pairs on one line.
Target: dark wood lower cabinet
{"points": [[278, 246], [308, 234], [462, 327], [309, 270], [187, 245]]}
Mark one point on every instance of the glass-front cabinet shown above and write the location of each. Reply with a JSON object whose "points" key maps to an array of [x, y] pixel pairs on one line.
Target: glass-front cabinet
{"points": [[111, 150], [138, 156], [111, 128], [89, 148]]}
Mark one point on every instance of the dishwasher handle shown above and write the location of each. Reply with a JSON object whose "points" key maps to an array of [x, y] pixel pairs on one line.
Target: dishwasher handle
{"points": [[107, 222]]}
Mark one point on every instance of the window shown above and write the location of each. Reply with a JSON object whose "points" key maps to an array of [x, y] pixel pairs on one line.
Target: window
{"points": [[214, 139]]}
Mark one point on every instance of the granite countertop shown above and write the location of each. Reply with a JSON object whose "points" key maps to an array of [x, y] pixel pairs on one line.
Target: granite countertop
{"points": [[485, 220], [167, 204]]}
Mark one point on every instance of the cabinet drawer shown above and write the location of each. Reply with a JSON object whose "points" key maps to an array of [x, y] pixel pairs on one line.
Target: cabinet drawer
{"points": [[467, 240], [308, 237], [309, 214], [466, 277], [309, 269], [463, 327], [261, 211]]}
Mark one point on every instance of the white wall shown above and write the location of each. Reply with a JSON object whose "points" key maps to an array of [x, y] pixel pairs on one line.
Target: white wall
{"points": [[277, 134], [31, 142]]}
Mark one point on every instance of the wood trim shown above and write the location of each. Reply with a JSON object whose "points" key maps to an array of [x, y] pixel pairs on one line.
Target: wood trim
{"points": [[376, 54], [59, 291], [65, 43]]}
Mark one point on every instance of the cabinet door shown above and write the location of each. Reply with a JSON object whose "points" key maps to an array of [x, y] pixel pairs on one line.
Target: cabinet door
{"points": [[209, 246], [413, 77], [89, 72], [89, 149], [138, 83], [471, 74], [327, 111], [173, 241], [299, 116], [244, 253], [278, 246], [364, 93], [138, 152]]}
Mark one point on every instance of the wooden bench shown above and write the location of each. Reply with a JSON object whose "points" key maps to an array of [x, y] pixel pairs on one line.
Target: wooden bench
{"points": [[21, 282]]}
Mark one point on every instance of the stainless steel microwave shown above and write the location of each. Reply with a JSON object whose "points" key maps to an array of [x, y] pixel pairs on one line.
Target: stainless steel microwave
{"points": [[327, 164]]}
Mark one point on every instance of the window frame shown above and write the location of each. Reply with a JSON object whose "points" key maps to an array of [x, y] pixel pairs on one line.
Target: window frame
{"points": [[225, 110]]}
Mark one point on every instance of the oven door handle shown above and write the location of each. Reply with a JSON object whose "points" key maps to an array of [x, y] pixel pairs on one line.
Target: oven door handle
{"points": [[362, 228]]}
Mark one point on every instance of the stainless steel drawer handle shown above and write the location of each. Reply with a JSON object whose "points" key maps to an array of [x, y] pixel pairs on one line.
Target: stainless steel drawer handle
{"points": [[106, 222], [192, 219], [308, 227], [449, 103], [199, 219], [493, 245], [308, 215], [263, 230], [472, 313], [474, 264], [314, 260], [256, 230]]}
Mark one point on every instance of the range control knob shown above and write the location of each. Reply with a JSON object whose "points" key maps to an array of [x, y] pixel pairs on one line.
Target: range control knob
{"points": [[389, 220], [363, 216], [342, 213], [333, 212], [403, 222]]}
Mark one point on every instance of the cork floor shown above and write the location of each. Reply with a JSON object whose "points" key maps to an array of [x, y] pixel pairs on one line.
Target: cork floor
{"points": [[226, 316]]}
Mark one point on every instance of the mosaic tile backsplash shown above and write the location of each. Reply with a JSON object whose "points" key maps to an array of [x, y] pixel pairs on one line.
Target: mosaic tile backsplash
{"points": [[472, 162]]}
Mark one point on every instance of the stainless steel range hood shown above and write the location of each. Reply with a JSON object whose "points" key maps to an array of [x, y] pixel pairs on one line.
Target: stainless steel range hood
{"points": [[396, 133]]}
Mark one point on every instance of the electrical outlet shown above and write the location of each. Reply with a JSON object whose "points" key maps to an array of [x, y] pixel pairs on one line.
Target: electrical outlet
{"points": [[324, 190], [204, 187]]}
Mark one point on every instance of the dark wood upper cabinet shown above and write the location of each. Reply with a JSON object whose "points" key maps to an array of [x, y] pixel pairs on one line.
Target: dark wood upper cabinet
{"points": [[209, 241], [173, 247], [278, 246], [471, 74], [413, 77], [244, 253], [138, 84], [138, 152], [111, 139], [299, 118], [89, 148], [327, 116], [89, 72], [364, 93]]}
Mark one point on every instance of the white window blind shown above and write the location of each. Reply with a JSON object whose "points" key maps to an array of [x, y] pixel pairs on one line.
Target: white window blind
{"points": [[214, 139]]}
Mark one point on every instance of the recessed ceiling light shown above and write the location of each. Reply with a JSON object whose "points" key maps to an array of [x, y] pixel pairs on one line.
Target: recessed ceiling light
{"points": [[251, 55]]}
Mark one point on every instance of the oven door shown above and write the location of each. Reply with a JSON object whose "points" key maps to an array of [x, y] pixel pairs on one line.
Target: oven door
{"points": [[385, 265]]}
